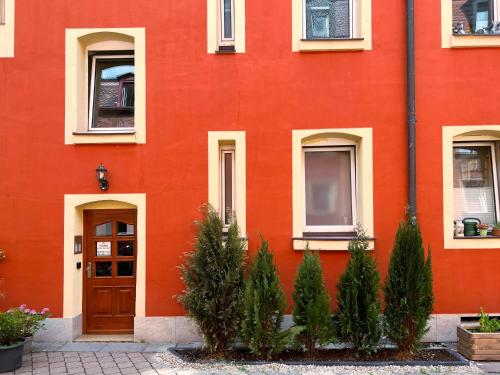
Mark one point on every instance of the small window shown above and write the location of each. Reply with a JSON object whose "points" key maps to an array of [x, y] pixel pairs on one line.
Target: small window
{"points": [[112, 92], [227, 184], [329, 189], [227, 22], [328, 19], [475, 187], [2, 12], [476, 16]]}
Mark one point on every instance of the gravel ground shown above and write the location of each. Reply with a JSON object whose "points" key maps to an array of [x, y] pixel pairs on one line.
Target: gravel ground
{"points": [[174, 365]]}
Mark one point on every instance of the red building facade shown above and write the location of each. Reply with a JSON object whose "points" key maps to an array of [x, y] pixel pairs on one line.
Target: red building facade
{"points": [[241, 105]]}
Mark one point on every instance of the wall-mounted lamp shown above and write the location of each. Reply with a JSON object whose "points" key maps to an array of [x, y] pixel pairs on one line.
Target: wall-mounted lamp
{"points": [[101, 173]]}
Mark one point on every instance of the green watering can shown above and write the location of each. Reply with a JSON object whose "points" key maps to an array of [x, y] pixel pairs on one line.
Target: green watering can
{"points": [[470, 226]]}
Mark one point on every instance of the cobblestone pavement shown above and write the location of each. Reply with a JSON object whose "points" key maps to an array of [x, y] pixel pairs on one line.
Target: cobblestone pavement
{"points": [[116, 359]]}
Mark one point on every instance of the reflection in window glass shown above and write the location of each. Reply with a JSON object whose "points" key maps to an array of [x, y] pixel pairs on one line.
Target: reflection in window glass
{"points": [[328, 19], [328, 189], [113, 92], [125, 248], [125, 269], [103, 269], [105, 229], [227, 185], [473, 183], [228, 19], [124, 229], [474, 16]]}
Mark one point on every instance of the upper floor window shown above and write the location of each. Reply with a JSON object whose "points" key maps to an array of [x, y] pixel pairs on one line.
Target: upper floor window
{"points": [[226, 23], [476, 16], [328, 19], [112, 91]]}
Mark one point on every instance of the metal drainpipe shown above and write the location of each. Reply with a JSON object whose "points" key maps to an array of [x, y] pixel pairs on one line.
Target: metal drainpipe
{"points": [[412, 118]]}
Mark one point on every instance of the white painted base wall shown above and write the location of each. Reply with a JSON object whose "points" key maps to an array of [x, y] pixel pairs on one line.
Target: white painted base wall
{"points": [[181, 330]]}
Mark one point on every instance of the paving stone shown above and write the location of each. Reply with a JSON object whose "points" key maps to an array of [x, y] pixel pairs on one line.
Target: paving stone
{"points": [[92, 363], [110, 370], [129, 371], [94, 371], [108, 364], [41, 371], [142, 365], [125, 364], [57, 364], [58, 370], [75, 370]]}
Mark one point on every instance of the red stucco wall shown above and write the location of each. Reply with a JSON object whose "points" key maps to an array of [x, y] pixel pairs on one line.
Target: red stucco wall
{"points": [[267, 92]]}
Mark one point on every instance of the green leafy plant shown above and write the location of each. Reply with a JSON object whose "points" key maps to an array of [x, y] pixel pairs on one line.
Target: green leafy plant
{"points": [[33, 319], [265, 304], [497, 226], [12, 324], [312, 304], [213, 277], [486, 324], [358, 298], [408, 289]]}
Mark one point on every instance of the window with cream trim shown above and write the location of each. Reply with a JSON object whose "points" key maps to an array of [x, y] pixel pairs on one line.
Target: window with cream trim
{"points": [[226, 16], [332, 186], [225, 26], [228, 174], [329, 19]]}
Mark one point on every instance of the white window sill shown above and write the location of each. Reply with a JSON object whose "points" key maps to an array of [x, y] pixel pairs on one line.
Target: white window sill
{"points": [[337, 44], [474, 40], [112, 137], [326, 243], [471, 243]]}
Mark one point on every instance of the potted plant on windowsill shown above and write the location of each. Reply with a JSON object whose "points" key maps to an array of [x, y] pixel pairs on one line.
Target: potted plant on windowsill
{"points": [[496, 230], [480, 343], [11, 340], [483, 230]]}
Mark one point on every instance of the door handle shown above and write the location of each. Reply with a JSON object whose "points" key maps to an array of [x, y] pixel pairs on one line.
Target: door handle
{"points": [[89, 270]]}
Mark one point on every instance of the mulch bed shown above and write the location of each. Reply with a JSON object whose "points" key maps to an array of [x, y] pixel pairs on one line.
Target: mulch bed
{"points": [[383, 357]]}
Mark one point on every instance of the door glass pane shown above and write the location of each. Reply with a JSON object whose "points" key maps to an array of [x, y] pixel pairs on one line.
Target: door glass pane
{"points": [[105, 229], [473, 185], [125, 269], [113, 93], [103, 269], [125, 248], [328, 188], [125, 229], [328, 19]]}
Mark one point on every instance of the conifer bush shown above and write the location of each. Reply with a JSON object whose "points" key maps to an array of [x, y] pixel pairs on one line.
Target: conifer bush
{"points": [[213, 277], [358, 298], [312, 304], [408, 289], [264, 306]]}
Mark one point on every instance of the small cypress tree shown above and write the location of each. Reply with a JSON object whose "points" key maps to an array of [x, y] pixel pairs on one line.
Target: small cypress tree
{"points": [[213, 277], [408, 289], [312, 304], [265, 304], [358, 298]]}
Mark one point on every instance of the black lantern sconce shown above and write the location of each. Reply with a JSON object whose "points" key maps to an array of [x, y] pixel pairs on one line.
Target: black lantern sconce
{"points": [[101, 175]]}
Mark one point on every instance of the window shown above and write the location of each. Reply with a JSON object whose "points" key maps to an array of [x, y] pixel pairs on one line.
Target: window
{"points": [[227, 184], [226, 22], [475, 188], [227, 175], [226, 26], [105, 94], [332, 186], [475, 17], [326, 19], [329, 189], [7, 28], [331, 25], [112, 92]]}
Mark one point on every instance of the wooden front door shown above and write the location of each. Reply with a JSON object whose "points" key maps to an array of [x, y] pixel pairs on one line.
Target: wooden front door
{"points": [[110, 254]]}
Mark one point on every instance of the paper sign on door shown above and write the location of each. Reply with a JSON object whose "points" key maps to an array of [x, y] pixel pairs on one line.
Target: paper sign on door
{"points": [[103, 249]]}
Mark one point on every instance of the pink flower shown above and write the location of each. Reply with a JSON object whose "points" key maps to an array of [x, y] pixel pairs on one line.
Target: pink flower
{"points": [[44, 310], [33, 312], [22, 307], [27, 311]]}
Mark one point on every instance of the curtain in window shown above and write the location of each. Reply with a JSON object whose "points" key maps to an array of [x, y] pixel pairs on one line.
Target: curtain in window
{"points": [[328, 188], [474, 194]]}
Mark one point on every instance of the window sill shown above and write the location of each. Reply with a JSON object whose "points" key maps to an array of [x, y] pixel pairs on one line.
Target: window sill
{"points": [[225, 50], [489, 236], [475, 40], [472, 242], [107, 137], [326, 243], [334, 44]]}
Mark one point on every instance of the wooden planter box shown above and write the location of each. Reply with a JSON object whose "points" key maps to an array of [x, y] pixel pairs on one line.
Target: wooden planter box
{"points": [[478, 346]]}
